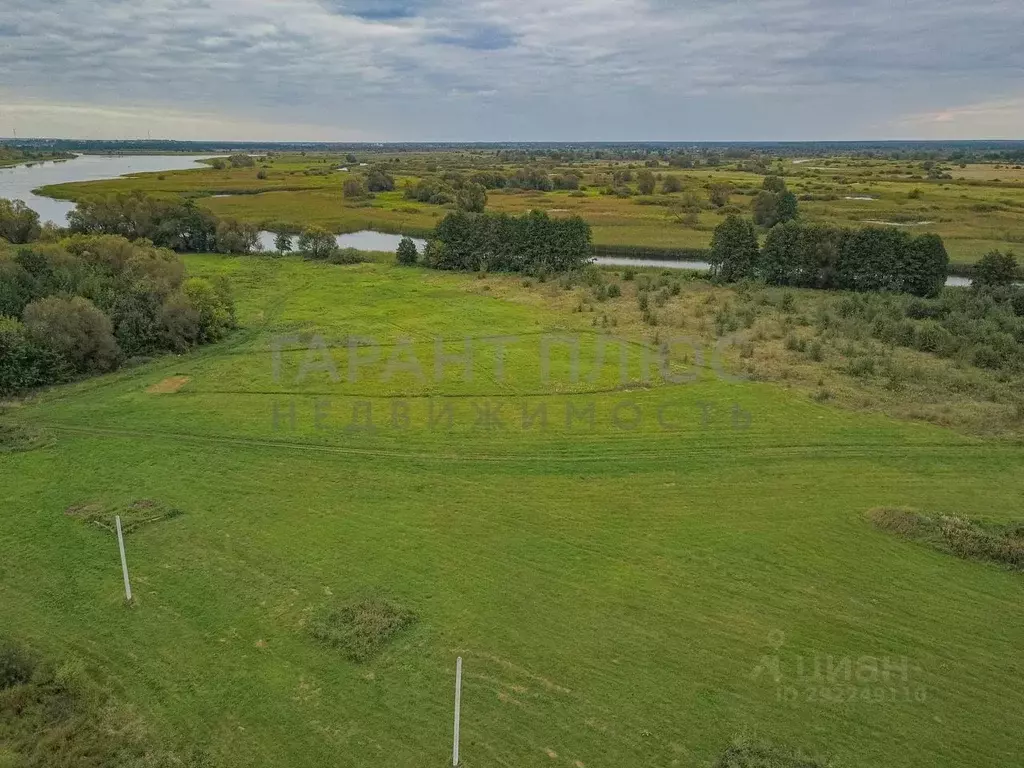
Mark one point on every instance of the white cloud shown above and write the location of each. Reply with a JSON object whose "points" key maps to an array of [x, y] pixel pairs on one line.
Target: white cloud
{"points": [[571, 69]]}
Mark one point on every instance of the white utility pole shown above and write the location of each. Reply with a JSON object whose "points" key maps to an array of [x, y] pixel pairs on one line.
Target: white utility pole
{"points": [[458, 704], [124, 560]]}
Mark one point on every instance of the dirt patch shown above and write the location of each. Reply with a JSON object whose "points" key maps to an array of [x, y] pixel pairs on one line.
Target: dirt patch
{"points": [[968, 539], [361, 629], [168, 386], [15, 438], [134, 515]]}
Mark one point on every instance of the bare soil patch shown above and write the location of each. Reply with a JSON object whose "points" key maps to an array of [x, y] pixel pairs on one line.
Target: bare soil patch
{"points": [[168, 386]]}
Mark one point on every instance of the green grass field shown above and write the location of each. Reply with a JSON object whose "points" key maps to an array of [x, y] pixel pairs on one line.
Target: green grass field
{"points": [[979, 209], [617, 595]]}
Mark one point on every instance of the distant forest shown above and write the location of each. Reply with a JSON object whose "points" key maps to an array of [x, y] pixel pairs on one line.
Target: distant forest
{"points": [[989, 151]]}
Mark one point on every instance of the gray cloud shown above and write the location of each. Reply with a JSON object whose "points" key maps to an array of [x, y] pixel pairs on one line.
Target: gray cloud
{"points": [[530, 70]]}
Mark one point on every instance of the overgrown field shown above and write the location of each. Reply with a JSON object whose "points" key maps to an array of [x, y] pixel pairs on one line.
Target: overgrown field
{"points": [[977, 209], [689, 565]]}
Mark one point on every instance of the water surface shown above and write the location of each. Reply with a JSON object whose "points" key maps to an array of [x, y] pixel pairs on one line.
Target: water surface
{"points": [[18, 182]]}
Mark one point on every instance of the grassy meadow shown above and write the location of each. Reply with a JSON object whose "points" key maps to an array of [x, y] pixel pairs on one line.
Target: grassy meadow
{"points": [[980, 208], [637, 590]]}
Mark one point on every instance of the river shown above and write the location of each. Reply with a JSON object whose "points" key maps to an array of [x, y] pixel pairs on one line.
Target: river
{"points": [[18, 182]]}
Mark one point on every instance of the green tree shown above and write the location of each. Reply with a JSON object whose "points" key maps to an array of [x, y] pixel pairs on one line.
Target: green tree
{"points": [[472, 198], [779, 261], [23, 365], [671, 184], [646, 182], [926, 267], [354, 188], [317, 243], [18, 222], [73, 330], [771, 208], [734, 250], [786, 207], [995, 269], [873, 259], [283, 242], [236, 237], [379, 180], [407, 253], [719, 193], [241, 160], [17, 288], [212, 306], [774, 184], [178, 323]]}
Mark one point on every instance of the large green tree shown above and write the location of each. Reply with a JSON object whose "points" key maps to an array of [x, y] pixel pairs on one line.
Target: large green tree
{"points": [[995, 268], [18, 222], [472, 198], [734, 250]]}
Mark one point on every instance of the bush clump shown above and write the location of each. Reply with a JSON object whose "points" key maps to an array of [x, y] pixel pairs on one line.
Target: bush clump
{"points": [[134, 515], [745, 753], [52, 715], [968, 539], [360, 629]]}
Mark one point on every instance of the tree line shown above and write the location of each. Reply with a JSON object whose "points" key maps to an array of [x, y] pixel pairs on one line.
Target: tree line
{"points": [[824, 256], [174, 224], [533, 243], [91, 303]]}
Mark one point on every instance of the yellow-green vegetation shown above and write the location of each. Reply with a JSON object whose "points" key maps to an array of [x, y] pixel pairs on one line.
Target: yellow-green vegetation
{"points": [[976, 208], [622, 590], [15, 156], [972, 539]]}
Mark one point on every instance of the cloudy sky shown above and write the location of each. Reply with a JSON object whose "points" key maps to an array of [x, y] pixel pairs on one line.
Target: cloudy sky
{"points": [[526, 70]]}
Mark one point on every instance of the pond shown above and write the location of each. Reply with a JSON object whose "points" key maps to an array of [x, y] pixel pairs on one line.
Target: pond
{"points": [[18, 182], [364, 240]]}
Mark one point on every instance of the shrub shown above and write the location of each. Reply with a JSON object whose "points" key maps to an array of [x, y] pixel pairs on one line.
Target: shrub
{"points": [[614, 291], [984, 356], [74, 331], [995, 269], [932, 337], [968, 539], [354, 189], [18, 222], [317, 243], [407, 254], [745, 753], [360, 629], [861, 366], [16, 665], [347, 256]]}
